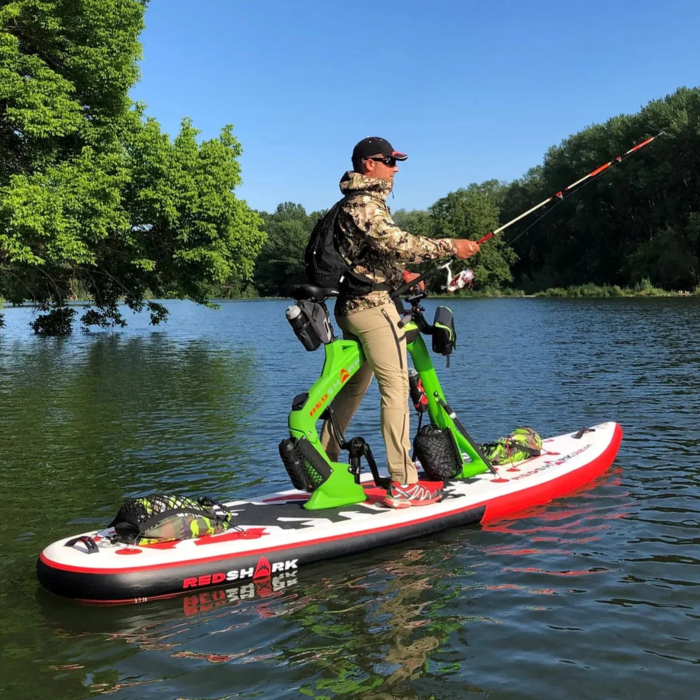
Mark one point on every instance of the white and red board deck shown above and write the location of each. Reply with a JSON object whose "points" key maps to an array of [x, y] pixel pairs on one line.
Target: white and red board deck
{"points": [[275, 534]]}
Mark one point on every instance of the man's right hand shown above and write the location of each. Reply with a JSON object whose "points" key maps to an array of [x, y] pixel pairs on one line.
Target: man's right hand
{"points": [[464, 248]]}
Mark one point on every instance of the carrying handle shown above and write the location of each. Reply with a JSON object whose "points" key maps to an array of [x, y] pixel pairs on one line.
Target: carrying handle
{"points": [[92, 547]]}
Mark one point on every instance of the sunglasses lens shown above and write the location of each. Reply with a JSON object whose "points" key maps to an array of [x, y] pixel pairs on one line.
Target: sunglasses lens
{"points": [[387, 160]]}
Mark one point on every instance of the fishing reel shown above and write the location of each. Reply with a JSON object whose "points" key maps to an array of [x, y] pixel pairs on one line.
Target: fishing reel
{"points": [[462, 279]]}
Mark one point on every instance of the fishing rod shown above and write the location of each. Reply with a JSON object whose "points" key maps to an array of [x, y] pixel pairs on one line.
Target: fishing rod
{"points": [[466, 277], [562, 194]]}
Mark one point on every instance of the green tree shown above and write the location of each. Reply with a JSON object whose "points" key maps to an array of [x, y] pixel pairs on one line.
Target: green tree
{"points": [[669, 259], [281, 263], [416, 221], [94, 198]]}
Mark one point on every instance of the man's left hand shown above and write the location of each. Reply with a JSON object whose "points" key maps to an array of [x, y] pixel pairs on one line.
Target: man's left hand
{"points": [[408, 277]]}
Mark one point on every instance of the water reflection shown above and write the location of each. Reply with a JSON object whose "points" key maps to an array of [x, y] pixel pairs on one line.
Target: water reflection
{"points": [[361, 632], [129, 415]]}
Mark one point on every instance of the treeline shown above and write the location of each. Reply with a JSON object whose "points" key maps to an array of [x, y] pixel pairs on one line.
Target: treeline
{"points": [[637, 225]]}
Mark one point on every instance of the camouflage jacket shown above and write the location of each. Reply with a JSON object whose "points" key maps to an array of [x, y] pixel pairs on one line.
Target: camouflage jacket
{"points": [[365, 225]]}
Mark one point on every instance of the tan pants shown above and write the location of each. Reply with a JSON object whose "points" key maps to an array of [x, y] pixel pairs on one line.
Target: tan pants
{"points": [[384, 345]]}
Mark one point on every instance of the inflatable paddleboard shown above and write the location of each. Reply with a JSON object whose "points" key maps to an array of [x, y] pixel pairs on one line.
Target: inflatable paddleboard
{"points": [[275, 536]]}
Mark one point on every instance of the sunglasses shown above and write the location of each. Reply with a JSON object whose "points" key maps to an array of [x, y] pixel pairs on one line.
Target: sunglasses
{"points": [[387, 160]]}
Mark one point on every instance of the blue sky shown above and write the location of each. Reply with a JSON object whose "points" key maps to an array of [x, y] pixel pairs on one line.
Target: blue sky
{"points": [[471, 90]]}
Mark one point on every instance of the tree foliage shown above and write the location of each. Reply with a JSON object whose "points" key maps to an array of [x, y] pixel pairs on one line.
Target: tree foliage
{"points": [[417, 221], [281, 263], [94, 198], [637, 221]]}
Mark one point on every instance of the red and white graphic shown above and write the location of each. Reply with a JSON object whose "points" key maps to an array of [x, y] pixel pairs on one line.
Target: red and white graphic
{"points": [[262, 570]]}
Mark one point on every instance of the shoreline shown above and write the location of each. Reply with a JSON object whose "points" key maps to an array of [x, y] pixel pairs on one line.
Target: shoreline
{"points": [[516, 294]]}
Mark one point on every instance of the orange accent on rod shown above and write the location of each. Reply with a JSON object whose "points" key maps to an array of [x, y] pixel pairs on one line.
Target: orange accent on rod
{"points": [[600, 169], [643, 143]]}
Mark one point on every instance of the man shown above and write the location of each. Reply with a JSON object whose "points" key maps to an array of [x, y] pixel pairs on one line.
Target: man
{"points": [[370, 241]]}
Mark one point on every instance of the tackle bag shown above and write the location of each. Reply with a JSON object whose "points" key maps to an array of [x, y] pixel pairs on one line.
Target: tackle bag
{"points": [[310, 323], [521, 444], [437, 452], [325, 266], [444, 333], [160, 518]]}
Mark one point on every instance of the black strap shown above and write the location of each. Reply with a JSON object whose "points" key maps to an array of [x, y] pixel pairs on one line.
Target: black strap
{"points": [[465, 434], [91, 545], [510, 443], [532, 451], [217, 508], [382, 482]]}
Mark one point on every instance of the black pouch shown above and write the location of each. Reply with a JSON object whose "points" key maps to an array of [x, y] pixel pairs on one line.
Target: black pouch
{"points": [[305, 466], [444, 334], [437, 452], [310, 323]]}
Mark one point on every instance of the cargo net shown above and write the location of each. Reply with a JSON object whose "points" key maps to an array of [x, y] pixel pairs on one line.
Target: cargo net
{"points": [[161, 518], [313, 477], [306, 468], [435, 450]]}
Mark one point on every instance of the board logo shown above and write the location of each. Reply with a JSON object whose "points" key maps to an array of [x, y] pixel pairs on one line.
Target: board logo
{"points": [[549, 464], [344, 375], [323, 400], [262, 571]]}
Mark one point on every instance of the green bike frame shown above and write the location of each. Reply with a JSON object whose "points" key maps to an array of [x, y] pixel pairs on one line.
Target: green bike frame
{"points": [[343, 359]]}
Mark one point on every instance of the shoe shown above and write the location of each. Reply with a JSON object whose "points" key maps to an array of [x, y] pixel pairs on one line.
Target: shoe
{"points": [[405, 496]]}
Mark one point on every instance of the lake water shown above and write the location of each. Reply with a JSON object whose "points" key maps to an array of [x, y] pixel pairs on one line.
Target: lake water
{"points": [[593, 596]]}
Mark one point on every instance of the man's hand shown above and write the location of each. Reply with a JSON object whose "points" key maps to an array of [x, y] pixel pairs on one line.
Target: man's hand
{"points": [[408, 277], [465, 248]]}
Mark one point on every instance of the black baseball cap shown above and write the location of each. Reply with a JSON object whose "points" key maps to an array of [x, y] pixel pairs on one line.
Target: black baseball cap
{"points": [[375, 146]]}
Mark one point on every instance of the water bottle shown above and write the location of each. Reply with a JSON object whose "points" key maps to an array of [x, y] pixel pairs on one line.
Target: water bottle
{"points": [[302, 328], [418, 397], [295, 317]]}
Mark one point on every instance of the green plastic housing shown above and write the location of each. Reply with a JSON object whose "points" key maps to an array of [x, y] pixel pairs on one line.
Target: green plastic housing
{"points": [[342, 359]]}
